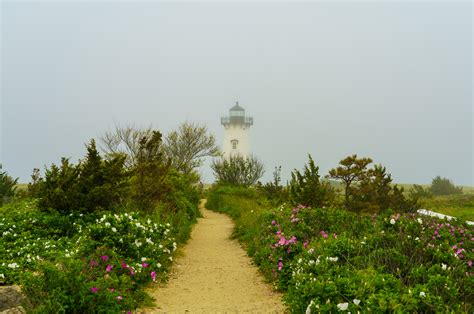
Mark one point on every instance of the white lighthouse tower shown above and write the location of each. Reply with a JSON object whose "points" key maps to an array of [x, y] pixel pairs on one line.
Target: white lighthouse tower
{"points": [[236, 138]]}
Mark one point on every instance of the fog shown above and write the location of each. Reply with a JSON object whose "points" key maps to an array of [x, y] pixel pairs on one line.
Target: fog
{"points": [[392, 80]]}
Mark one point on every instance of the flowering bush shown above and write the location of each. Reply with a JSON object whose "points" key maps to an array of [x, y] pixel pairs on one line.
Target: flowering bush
{"points": [[83, 261], [329, 260]]}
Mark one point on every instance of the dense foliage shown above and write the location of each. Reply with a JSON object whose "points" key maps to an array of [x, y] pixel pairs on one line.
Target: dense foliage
{"points": [[91, 235], [370, 189], [444, 186], [93, 184], [7, 186], [307, 187], [238, 170], [328, 260]]}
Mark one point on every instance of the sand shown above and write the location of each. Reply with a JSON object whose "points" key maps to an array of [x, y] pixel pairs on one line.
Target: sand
{"points": [[215, 275]]}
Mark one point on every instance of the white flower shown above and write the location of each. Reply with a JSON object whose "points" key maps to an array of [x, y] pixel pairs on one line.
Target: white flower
{"points": [[114, 229], [392, 221], [2, 276], [417, 239], [333, 259], [343, 306], [158, 265], [420, 221], [308, 309], [107, 224], [422, 294], [13, 265], [143, 259], [171, 258], [356, 301], [444, 266]]}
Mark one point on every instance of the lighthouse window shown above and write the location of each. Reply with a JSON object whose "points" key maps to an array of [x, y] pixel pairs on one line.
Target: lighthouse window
{"points": [[234, 144]]}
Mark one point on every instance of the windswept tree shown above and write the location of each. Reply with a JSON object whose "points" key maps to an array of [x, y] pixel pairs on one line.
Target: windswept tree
{"points": [[351, 170], [7, 186], [189, 145], [369, 189], [238, 170]]}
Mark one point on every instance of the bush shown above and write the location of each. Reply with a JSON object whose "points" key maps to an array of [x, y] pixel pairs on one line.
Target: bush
{"points": [[444, 186], [7, 186], [238, 170], [328, 260], [306, 188], [92, 185]]}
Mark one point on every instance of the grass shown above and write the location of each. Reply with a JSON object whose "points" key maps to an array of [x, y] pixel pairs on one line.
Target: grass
{"points": [[458, 205]]}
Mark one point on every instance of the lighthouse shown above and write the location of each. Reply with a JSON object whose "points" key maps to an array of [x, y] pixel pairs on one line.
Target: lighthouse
{"points": [[236, 137]]}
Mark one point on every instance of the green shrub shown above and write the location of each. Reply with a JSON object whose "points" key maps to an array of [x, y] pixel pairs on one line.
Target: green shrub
{"points": [[328, 260], [7, 186], [308, 189], [94, 184], [444, 186]]}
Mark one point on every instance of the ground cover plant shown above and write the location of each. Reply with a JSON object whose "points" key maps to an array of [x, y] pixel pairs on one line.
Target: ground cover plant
{"points": [[330, 260]]}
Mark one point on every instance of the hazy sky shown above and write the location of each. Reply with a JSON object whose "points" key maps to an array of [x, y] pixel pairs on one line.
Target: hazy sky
{"points": [[391, 80]]}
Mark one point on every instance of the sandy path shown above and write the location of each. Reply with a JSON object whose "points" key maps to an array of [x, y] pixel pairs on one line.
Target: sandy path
{"points": [[215, 275]]}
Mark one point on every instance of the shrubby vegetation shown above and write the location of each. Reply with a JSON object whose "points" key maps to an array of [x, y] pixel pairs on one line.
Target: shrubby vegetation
{"points": [[89, 236], [238, 170], [7, 186], [328, 260], [444, 186]]}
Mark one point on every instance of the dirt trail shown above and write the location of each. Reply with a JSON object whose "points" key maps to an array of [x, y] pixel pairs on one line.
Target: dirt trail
{"points": [[215, 275]]}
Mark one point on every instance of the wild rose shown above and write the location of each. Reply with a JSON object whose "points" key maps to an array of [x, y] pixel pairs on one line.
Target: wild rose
{"points": [[280, 265], [282, 241]]}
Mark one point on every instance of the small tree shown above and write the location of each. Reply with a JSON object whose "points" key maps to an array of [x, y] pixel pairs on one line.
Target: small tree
{"points": [[150, 172], [238, 170], [124, 140], [273, 190], [189, 145], [7, 186], [351, 170], [444, 186], [307, 188]]}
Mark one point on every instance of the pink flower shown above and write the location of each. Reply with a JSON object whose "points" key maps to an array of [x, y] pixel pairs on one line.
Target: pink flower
{"points": [[324, 234], [280, 265], [94, 289], [469, 263], [124, 265], [109, 268], [112, 290], [144, 265], [104, 258], [153, 276], [119, 298], [93, 263], [305, 244], [334, 235], [274, 222], [282, 241], [292, 240]]}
